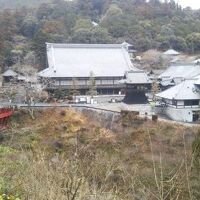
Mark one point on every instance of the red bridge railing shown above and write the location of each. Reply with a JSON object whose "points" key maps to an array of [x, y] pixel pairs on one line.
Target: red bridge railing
{"points": [[5, 114]]}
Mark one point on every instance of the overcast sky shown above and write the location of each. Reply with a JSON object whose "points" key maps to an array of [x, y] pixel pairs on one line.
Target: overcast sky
{"points": [[195, 4]]}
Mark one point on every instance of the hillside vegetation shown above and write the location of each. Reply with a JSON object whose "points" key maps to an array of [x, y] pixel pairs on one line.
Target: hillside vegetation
{"points": [[145, 24], [13, 4], [78, 158]]}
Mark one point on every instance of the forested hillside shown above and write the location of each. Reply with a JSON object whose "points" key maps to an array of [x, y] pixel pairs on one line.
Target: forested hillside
{"points": [[152, 24], [19, 3]]}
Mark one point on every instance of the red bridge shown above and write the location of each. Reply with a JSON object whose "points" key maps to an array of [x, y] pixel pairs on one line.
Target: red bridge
{"points": [[5, 114]]}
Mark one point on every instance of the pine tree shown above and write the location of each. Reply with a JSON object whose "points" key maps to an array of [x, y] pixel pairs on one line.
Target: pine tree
{"points": [[155, 89], [92, 85]]}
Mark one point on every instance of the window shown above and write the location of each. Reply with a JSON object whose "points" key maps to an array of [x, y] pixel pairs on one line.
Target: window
{"points": [[98, 82], [65, 82], [191, 102], [107, 82], [82, 82]]}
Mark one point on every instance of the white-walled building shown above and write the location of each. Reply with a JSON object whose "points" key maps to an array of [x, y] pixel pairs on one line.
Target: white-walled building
{"points": [[181, 102]]}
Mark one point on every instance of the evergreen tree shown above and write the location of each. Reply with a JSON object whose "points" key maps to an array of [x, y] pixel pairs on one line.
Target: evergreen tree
{"points": [[92, 85]]}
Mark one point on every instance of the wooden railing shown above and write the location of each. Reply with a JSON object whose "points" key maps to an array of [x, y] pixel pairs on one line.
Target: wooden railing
{"points": [[5, 114]]}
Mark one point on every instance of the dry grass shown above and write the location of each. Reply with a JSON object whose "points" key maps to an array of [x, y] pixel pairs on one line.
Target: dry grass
{"points": [[66, 155]]}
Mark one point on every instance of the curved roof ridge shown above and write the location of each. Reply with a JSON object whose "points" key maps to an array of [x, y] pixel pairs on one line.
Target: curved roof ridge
{"points": [[182, 91], [73, 45]]}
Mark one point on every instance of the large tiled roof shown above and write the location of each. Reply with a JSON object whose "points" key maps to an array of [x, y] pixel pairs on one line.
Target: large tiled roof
{"points": [[186, 90], [181, 71], [79, 60]]}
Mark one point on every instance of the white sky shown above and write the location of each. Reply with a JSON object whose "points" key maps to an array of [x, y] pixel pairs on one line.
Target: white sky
{"points": [[195, 4]]}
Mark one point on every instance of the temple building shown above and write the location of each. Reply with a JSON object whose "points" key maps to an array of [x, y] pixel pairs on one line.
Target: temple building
{"points": [[74, 65], [181, 102], [9, 75], [137, 85], [177, 73]]}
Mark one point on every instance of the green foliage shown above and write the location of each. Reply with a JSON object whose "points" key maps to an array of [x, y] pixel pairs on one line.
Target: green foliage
{"points": [[100, 36], [5, 150], [193, 40], [29, 26], [92, 85], [60, 94], [8, 197], [83, 24], [145, 24], [38, 44], [39, 47], [95, 35], [19, 3]]}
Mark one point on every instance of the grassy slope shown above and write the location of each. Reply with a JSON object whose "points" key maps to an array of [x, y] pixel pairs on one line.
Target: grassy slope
{"points": [[61, 151]]}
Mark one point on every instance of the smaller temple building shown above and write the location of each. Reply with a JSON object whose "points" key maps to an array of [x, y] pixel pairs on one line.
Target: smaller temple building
{"points": [[136, 83], [177, 73], [181, 102], [9, 75]]}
